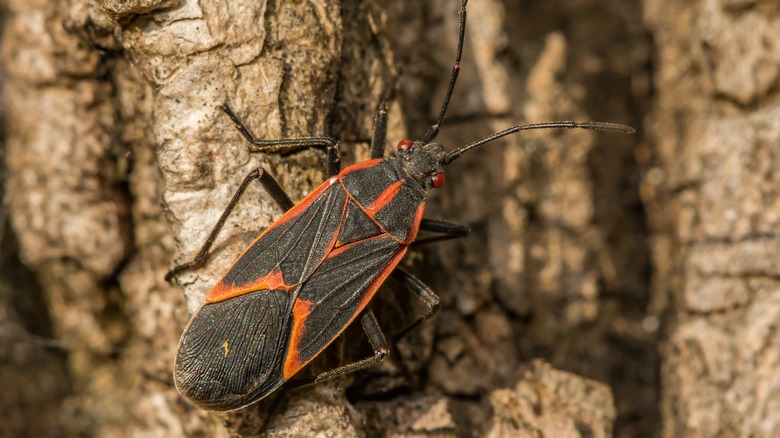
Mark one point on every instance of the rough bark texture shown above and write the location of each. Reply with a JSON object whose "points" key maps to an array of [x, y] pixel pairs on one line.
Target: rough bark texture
{"points": [[712, 194], [647, 263]]}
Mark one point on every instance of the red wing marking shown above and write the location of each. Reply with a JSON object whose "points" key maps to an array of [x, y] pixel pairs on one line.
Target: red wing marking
{"points": [[275, 281], [416, 226], [358, 166], [303, 205], [384, 198], [272, 281], [303, 309], [374, 286], [343, 248], [293, 363], [296, 210], [257, 269]]}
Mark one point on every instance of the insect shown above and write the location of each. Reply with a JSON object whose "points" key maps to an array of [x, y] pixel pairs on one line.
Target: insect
{"points": [[313, 272]]}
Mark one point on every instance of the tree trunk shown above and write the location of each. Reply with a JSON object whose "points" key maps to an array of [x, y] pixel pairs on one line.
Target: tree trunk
{"points": [[594, 257], [711, 194]]}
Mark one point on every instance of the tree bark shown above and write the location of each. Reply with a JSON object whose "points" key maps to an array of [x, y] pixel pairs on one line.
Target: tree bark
{"points": [[711, 192], [119, 163]]}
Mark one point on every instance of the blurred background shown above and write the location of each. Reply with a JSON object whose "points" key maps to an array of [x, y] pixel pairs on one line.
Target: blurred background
{"points": [[612, 285]]}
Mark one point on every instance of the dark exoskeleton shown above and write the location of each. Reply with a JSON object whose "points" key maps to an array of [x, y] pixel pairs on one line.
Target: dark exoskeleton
{"points": [[313, 272]]}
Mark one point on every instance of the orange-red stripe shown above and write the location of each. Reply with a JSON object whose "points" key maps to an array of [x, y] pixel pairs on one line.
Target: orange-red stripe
{"points": [[302, 309], [303, 205], [416, 226], [358, 166], [340, 249], [272, 281], [222, 292], [293, 363], [384, 198], [374, 286]]}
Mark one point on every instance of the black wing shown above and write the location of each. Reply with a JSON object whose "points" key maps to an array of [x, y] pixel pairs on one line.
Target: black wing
{"points": [[231, 352]]}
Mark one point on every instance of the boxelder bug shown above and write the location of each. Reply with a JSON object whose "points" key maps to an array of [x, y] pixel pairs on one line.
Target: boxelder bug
{"points": [[312, 272]]}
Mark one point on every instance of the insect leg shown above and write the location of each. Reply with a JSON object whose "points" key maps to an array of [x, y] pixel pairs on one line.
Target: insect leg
{"points": [[378, 343], [380, 133], [448, 230], [330, 145], [269, 184], [423, 292]]}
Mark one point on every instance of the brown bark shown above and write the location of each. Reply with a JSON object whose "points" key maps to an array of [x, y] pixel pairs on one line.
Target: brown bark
{"points": [[118, 158], [711, 192]]}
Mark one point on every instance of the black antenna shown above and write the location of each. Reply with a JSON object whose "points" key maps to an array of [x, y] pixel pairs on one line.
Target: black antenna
{"points": [[433, 131], [596, 126]]}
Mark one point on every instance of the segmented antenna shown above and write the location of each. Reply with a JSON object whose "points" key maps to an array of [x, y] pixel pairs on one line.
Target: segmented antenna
{"points": [[596, 126]]}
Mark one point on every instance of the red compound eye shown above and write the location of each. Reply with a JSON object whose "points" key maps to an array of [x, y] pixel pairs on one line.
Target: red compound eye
{"points": [[438, 180], [405, 145]]}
